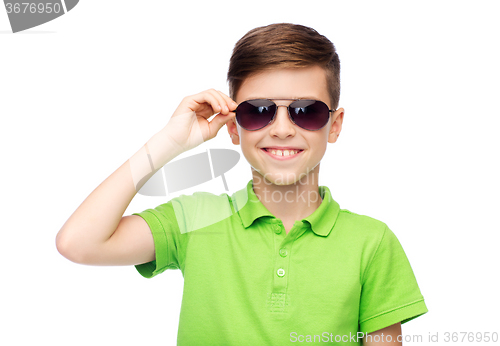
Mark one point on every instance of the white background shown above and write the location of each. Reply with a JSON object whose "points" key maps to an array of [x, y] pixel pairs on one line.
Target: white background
{"points": [[418, 150]]}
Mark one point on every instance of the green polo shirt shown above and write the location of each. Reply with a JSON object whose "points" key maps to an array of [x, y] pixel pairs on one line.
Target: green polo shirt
{"points": [[335, 275]]}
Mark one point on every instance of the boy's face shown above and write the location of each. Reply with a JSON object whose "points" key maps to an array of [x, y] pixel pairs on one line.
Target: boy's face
{"points": [[304, 83]]}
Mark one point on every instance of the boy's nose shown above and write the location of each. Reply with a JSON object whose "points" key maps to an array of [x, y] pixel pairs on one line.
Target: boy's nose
{"points": [[282, 126], [282, 119]]}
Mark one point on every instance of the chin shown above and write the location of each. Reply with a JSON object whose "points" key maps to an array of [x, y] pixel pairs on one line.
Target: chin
{"points": [[281, 179]]}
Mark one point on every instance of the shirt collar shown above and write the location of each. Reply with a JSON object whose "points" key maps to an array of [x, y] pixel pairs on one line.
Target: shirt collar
{"points": [[250, 208]]}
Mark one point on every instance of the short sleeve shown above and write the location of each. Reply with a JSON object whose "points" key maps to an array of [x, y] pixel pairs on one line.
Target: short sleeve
{"points": [[389, 293], [167, 240]]}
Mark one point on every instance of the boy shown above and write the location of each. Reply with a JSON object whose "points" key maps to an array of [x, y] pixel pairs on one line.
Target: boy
{"points": [[277, 262]]}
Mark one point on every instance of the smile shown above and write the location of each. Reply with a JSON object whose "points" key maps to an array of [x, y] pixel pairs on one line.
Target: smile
{"points": [[282, 154]]}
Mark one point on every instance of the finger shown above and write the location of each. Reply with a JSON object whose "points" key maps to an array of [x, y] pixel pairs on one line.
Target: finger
{"points": [[219, 96], [229, 101], [198, 101], [218, 121]]}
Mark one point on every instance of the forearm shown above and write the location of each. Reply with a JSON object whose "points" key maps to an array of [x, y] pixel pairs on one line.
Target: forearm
{"points": [[96, 219]]}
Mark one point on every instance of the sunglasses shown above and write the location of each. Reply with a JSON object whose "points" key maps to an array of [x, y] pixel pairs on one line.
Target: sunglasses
{"points": [[311, 115]]}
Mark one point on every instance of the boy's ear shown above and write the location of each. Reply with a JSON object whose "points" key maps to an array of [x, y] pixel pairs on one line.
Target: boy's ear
{"points": [[336, 127], [232, 129]]}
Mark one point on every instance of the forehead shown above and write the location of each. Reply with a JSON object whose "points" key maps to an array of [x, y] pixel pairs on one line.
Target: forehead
{"points": [[285, 83]]}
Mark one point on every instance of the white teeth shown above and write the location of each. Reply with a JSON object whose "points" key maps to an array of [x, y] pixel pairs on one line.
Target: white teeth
{"points": [[285, 152]]}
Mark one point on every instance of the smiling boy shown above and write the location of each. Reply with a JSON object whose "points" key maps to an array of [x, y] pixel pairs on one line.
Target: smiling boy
{"points": [[278, 261], [287, 178]]}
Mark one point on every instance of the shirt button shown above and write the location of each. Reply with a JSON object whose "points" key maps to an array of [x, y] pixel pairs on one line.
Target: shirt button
{"points": [[277, 229], [283, 252], [281, 272]]}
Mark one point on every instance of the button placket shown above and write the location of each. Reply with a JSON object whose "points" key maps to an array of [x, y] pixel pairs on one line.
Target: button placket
{"points": [[280, 262], [283, 244], [277, 229]]}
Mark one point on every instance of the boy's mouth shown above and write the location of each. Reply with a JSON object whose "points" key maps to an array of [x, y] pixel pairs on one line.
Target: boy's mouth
{"points": [[285, 153]]}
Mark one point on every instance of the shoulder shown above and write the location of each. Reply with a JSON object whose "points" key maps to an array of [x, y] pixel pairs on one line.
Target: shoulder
{"points": [[365, 231], [203, 199], [200, 210], [361, 224], [369, 237]]}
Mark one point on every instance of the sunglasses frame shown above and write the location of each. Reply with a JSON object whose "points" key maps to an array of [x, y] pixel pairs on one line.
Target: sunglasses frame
{"points": [[288, 110]]}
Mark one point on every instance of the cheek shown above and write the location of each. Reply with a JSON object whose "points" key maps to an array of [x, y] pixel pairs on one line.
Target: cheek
{"points": [[247, 144], [320, 139], [320, 145], [238, 128]]}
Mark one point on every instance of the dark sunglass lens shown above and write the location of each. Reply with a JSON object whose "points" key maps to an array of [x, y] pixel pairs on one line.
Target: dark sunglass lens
{"points": [[309, 114], [255, 114]]}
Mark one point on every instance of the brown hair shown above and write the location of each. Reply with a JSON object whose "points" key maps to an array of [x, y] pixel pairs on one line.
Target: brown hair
{"points": [[283, 45]]}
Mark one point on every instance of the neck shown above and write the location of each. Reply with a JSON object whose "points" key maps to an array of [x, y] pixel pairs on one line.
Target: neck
{"points": [[289, 202]]}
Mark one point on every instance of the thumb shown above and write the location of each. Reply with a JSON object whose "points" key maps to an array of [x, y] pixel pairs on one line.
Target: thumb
{"points": [[218, 121]]}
